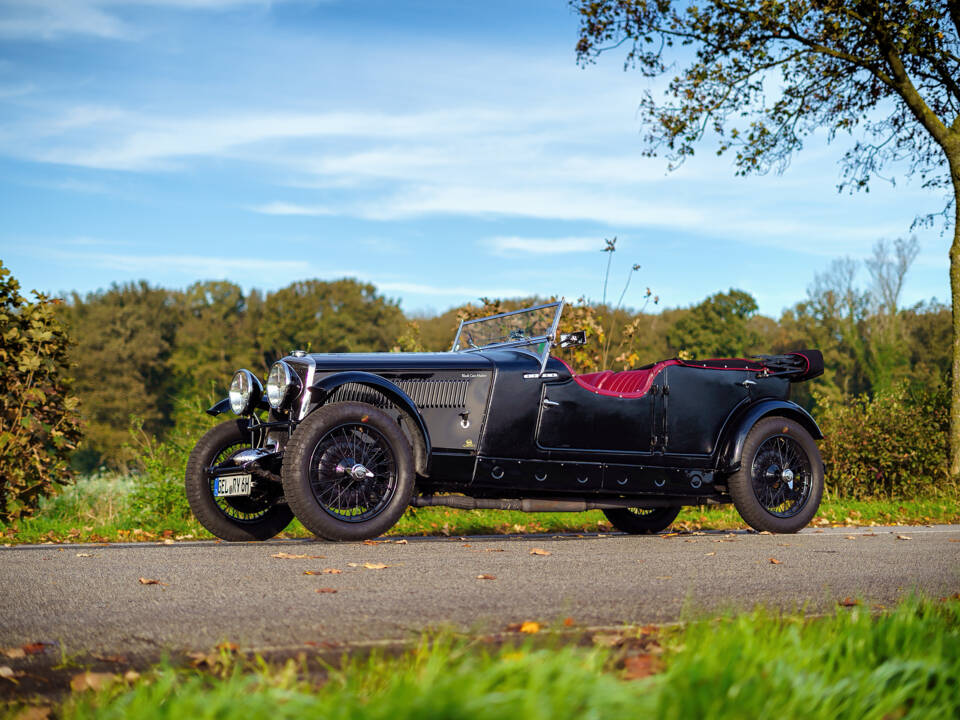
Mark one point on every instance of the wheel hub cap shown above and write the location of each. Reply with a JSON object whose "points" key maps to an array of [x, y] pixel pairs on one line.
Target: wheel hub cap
{"points": [[787, 477]]}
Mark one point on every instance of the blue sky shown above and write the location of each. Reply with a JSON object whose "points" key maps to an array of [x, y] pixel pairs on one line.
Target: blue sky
{"points": [[441, 150]]}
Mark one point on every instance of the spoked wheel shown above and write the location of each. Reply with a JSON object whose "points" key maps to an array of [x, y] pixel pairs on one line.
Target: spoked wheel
{"points": [[348, 472], [780, 482], [257, 516], [642, 521]]}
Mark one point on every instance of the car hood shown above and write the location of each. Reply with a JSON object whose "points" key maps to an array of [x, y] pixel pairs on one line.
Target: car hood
{"points": [[393, 362]]}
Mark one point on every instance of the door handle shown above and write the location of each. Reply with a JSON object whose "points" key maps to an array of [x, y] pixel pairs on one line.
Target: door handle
{"points": [[747, 383], [549, 403]]}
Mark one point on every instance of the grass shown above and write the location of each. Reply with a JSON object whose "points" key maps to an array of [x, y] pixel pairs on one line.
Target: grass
{"points": [[100, 509], [902, 663]]}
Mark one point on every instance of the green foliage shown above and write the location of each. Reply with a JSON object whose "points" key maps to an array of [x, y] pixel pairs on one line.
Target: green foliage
{"points": [[894, 445], [38, 415], [850, 665], [717, 327]]}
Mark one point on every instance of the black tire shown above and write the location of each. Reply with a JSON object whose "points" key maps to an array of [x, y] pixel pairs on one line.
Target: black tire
{"points": [[642, 521], [765, 495], [348, 472], [237, 519]]}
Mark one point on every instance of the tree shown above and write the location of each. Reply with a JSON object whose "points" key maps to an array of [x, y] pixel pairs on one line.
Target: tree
{"points": [[39, 426], [887, 72], [717, 327]]}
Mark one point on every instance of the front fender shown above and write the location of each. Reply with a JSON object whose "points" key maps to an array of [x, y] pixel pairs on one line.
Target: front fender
{"points": [[224, 405], [420, 435], [732, 445]]}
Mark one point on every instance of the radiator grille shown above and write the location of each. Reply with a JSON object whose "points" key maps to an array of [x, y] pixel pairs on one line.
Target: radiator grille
{"points": [[424, 393]]}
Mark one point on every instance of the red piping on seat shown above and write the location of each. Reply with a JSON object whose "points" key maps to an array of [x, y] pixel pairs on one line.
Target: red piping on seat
{"points": [[625, 384]]}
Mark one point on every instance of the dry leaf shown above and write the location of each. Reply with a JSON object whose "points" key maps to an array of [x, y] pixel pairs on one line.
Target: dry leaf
{"points": [[848, 602], [904, 537], [850, 537], [227, 646], [710, 554], [131, 676], [539, 551], [568, 622], [325, 571], [6, 672], [952, 540], [288, 556], [375, 566], [664, 577], [13, 653], [169, 541], [197, 659], [764, 532], [92, 681], [530, 627], [84, 554], [34, 712], [34, 648], [486, 577], [607, 639], [637, 667], [774, 561], [401, 542], [326, 590], [150, 581]]}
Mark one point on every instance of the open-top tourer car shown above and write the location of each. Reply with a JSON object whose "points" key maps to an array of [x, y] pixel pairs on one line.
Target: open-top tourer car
{"points": [[349, 441]]}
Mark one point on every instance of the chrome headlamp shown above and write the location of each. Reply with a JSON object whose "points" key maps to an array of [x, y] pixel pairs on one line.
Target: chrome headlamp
{"points": [[283, 384], [245, 392]]}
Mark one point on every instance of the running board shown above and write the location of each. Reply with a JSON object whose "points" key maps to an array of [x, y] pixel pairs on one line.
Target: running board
{"points": [[463, 502]]}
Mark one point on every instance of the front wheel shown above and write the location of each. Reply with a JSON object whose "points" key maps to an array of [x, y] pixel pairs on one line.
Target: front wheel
{"points": [[780, 481], [348, 472], [257, 516], [642, 521]]}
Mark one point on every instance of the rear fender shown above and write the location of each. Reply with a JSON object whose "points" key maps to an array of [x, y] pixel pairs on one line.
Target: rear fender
{"points": [[732, 445], [422, 449]]}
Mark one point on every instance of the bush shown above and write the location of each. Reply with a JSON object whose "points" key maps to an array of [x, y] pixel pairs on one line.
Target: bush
{"points": [[893, 445], [158, 492], [39, 425]]}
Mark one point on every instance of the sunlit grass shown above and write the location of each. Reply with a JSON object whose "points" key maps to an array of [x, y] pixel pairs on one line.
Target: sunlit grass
{"points": [[902, 663], [99, 509]]}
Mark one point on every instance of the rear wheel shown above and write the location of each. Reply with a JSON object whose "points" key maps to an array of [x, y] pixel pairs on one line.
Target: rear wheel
{"points": [[348, 472], [642, 521], [780, 481], [257, 516]]}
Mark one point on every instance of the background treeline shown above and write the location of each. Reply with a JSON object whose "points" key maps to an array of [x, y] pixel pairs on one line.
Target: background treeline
{"points": [[154, 354]]}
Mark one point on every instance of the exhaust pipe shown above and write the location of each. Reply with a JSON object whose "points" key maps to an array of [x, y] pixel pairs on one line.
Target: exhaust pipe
{"points": [[463, 502]]}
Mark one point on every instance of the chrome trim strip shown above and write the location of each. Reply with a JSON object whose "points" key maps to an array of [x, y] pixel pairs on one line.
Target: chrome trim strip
{"points": [[307, 385], [553, 337]]}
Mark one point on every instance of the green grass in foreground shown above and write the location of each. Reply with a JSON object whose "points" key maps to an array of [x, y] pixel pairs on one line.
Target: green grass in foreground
{"points": [[904, 663], [98, 509]]}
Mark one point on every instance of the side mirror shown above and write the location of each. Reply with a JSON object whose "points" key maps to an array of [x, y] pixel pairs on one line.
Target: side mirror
{"points": [[574, 339]]}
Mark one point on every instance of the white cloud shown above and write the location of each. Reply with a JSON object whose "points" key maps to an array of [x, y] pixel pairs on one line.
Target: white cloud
{"points": [[544, 246], [190, 265], [458, 291], [282, 208]]}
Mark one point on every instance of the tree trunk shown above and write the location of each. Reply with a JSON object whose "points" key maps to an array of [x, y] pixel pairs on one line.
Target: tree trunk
{"points": [[954, 164]]}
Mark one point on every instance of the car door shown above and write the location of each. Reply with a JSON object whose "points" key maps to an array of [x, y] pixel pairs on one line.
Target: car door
{"points": [[574, 418], [698, 403]]}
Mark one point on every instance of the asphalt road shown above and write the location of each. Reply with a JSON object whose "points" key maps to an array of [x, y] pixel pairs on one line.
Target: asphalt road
{"points": [[89, 599]]}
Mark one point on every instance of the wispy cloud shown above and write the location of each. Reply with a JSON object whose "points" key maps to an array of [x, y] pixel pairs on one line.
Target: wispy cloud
{"points": [[282, 208], [190, 265], [543, 246], [452, 291]]}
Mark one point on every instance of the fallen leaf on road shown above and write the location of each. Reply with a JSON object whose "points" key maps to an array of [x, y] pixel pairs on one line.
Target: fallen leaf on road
{"points": [[169, 541], [92, 681], [13, 653], [84, 554], [710, 554], [904, 537], [375, 566], [34, 648], [326, 590], [227, 646], [150, 581], [288, 556], [198, 659], [774, 561], [401, 542], [568, 622], [850, 537], [539, 551], [664, 577], [869, 534], [6, 672], [325, 571], [530, 627], [637, 667], [486, 577], [765, 532], [493, 549], [848, 602]]}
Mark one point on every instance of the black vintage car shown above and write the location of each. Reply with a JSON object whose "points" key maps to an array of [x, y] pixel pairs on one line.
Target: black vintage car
{"points": [[348, 441]]}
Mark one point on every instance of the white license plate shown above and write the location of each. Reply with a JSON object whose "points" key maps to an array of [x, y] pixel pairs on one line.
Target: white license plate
{"points": [[232, 485]]}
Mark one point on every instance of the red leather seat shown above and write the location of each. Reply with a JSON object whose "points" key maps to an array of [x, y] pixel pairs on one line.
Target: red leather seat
{"points": [[624, 384]]}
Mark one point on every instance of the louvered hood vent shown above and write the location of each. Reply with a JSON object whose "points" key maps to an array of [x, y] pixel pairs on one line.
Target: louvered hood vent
{"points": [[424, 393]]}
